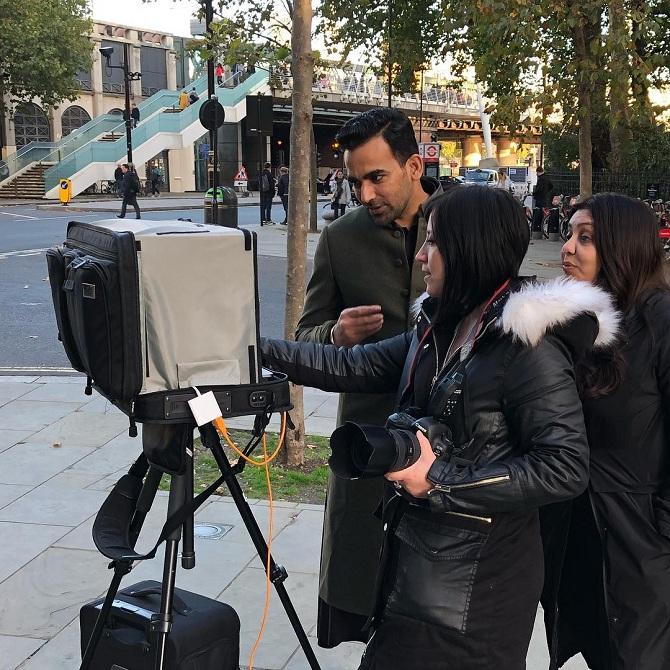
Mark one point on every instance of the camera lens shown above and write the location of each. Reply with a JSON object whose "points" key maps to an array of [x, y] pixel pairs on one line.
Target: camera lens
{"points": [[363, 451]]}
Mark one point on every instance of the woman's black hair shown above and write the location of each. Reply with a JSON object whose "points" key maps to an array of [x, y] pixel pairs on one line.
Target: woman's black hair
{"points": [[625, 235], [482, 235]]}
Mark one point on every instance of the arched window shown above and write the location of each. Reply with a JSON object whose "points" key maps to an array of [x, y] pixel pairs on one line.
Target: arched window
{"points": [[30, 124], [116, 110], [74, 117]]}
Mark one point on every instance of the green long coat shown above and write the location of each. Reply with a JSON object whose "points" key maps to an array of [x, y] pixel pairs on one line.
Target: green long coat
{"points": [[358, 262]]}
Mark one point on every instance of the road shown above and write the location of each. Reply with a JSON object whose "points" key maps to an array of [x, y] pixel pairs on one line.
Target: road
{"points": [[27, 323]]}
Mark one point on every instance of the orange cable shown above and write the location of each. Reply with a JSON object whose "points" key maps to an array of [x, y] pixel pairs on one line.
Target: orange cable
{"points": [[268, 585], [220, 425]]}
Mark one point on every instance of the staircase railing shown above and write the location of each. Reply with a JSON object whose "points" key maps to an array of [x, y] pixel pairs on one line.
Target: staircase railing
{"points": [[96, 151]]}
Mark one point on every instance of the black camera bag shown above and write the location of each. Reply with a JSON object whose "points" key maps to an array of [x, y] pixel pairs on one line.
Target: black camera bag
{"points": [[205, 633]]}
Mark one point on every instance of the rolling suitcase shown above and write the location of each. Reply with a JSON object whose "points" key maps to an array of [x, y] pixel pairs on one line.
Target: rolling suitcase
{"points": [[205, 633]]}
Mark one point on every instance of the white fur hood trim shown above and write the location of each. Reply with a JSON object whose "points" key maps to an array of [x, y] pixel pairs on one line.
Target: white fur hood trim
{"points": [[415, 307], [540, 306]]}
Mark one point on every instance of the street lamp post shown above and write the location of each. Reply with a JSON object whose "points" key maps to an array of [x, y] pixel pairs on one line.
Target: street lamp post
{"points": [[128, 76]]}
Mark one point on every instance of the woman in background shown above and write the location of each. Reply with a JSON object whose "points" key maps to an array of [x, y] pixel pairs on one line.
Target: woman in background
{"points": [[612, 603]]}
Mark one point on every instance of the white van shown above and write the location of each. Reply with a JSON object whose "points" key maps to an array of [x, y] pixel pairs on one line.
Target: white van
{"points": [[481, 176]]}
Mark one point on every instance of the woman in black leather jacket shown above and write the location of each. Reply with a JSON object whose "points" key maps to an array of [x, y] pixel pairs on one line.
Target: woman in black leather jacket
{"points": [[608, 552], [462, 565]]}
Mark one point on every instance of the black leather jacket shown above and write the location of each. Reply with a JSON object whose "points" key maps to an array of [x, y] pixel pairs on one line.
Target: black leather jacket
{"points": [[518, 428]]}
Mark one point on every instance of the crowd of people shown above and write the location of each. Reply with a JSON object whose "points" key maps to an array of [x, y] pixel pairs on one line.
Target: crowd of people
{"points": [[552, 484]]}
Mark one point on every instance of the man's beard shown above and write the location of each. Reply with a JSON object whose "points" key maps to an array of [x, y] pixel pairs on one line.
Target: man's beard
{"points": [[389, 214]]}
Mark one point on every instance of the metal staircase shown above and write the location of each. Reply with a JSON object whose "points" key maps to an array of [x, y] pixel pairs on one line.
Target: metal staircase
{"points": [[90, 154]]}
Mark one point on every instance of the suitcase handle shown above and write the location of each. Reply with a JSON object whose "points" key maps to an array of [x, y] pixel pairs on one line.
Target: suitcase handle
{"points": [[178, 605]]}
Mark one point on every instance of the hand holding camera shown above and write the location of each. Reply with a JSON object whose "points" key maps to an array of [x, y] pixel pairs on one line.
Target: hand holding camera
{"points": [[413, 479]]}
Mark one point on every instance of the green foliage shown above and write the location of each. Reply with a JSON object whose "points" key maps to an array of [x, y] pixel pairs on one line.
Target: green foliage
{"points": [[650, 147], [305, 483], [44, 43]]}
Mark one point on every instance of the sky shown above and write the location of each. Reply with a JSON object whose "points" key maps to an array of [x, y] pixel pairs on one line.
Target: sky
{"points": [[171, 16]]}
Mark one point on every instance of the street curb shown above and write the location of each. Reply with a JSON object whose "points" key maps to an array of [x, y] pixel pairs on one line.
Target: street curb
{"points": [[81, 207]]}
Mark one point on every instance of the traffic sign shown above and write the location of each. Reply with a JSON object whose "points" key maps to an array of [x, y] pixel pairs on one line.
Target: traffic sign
{"points": [[430, 152]]}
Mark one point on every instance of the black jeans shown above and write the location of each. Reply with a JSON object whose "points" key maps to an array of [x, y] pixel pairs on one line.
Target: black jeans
{"points": [[266, 206], [130, 199], [284, 202], [154, 188], [338, 210]]}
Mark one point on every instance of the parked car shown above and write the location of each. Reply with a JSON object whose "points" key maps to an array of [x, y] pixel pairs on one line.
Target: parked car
{"points": [[481, 176]]}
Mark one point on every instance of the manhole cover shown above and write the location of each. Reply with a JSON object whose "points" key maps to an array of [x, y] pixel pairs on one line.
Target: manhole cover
{"points": [[211, 531]]}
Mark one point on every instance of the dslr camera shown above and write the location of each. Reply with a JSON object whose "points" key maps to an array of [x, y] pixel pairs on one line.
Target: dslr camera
{"points": [[362, 451]]}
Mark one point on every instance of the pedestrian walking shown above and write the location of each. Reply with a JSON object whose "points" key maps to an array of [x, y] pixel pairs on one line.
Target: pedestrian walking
{"points": [[610, 547], [365, 278], [341, 195], [155, 179], [219, 74], [130, 188], [118, 180], [461, 566], [193, 96], [267, 193], [282, 192], [183, 100], [503, 180], [543, 189], [135, 116]]}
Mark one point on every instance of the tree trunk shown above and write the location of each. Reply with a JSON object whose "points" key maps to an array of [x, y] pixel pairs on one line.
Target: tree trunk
{"points": [[313, 177], [639, 67], [301, 147], [619, 85], [584, 109]]}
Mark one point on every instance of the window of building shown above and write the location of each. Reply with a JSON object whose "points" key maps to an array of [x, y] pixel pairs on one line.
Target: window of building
{"points": [[112, 80], [154, 70], [30, 124], [74, 117], [83, 78]]}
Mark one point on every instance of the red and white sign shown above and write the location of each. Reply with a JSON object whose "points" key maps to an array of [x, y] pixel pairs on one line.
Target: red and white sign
{"points": [[430, 152], [241, 180]]}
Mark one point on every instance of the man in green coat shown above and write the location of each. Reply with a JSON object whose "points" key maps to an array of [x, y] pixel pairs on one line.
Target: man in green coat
{"points": [[364, 281]]}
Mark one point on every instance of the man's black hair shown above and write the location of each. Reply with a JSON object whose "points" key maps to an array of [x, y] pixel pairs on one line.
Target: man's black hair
{"points": [[390, 123], [482, 235]]}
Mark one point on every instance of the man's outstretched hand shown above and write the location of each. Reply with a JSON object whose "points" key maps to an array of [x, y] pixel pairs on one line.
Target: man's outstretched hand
{"points": [[357, 323]]}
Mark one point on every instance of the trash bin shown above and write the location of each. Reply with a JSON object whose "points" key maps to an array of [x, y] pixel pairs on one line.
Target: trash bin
{"points": [[65, 192], [226, 207], [536, 225], [553, 221]]}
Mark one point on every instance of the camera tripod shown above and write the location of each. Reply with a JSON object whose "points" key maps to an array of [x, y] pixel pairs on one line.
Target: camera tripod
{"points": [[122, 515]]}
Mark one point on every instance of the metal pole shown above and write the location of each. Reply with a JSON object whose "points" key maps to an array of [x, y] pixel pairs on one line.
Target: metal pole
{"points": [[421, 110], [260, 160], [211, 91], [126, 87], [390, 62]]}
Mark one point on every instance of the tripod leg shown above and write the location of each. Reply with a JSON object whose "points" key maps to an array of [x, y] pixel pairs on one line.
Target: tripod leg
{"points": [[188, 542], [277, 573], [161, 623], [122, 568]]}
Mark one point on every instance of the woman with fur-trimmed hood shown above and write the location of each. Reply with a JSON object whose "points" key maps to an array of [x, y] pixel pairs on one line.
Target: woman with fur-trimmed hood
{"points": [[491, 357]]}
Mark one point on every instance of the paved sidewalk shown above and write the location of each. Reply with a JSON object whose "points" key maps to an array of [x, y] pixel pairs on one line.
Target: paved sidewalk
{"points": [[166, 202], [60, 452]]}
